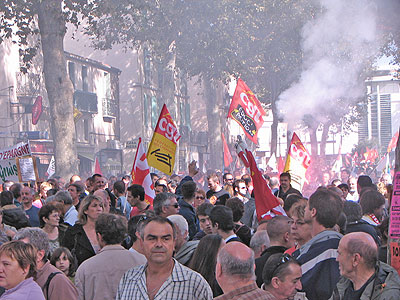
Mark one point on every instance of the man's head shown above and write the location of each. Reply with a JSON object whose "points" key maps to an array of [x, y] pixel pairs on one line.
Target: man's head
{"points": [[279, 231], [363, 181], [352, 183], [259, 242], [284, 180], [16, 190], [345, 189], [182, 230], [344, 175], [165, 204], [74, 178], [99, 182], [228, 179], [221, 219], [38, 238], [110, 229], [273, 182], [75, 190], [27, 196], [189, 190], [235, 264], [203, 214], [357, 255], [135, 194], [119, 188], [160, 186], [213, 183], [157, 238], [281, 276], [324, 208], [240, 188], [372, 202]]}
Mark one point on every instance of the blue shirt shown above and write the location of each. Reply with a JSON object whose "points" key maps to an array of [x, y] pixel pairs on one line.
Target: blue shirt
{"points": [[33, 216]]}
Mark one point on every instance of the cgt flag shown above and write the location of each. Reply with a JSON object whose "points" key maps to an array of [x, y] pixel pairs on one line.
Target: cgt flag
{"points": [[161, 153], [246, 110], [297, 162], [141, 173]]}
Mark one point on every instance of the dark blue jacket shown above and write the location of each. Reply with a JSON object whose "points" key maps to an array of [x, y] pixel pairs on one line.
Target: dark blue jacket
{"points": [[188, 212]]}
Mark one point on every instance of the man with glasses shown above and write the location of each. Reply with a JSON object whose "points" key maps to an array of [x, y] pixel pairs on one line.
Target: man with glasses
{"points": [[165, 204], [228, 183], [235, 274], [240, 190], [281, 276]]}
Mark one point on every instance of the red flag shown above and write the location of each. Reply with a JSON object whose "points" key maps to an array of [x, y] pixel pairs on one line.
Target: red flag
{"points": [[246, 110], [227, 154], [37, 110], [97, 169], [281, 164], [141, 173], [267, 205], [393, 142]]}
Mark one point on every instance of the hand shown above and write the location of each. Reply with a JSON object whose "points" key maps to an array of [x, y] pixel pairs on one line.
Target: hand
{"points": [[193, 169]]}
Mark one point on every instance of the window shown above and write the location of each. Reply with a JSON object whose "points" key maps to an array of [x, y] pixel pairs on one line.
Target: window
{"points": [[84, 79], [86, 129]]}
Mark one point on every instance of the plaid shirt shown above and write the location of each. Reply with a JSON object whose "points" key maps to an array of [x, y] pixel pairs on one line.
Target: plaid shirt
{"points": [[182, 284], [248, 292]]}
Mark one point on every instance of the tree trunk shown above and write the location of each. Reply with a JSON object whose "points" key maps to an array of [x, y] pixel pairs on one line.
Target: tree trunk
{"points": [[274, 128], [59, 86], [313, 141], [214, 126]]}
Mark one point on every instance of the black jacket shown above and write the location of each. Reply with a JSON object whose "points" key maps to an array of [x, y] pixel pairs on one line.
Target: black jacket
{"points": [[15, 216], [260, 262]]}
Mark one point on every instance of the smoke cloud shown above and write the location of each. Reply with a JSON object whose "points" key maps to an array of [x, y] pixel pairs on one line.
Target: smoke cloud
{"points": [[336, 44]]}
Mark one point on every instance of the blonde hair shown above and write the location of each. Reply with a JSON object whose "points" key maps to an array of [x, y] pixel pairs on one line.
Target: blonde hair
{"points": [[23, 253], [82, 217]]}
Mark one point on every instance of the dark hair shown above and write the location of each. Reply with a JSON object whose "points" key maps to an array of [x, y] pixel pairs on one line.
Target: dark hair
{"points": [[222, 216], [204, 209], [78, 187], [225, 174], [236, 183], [157, 219], [45, 211], [119, 186], [328, 205], [371, 200], [278, 226], [137, 190], [189, 189], [352, 210], [133, 225], [285, 174], [364, 181], [96, 175], [204, 258], [277, 265], [6, 198], [237, 207], [247, 179], [290, 200], [16, 190], [112, 228], [56, 256], [343, 186], [52, 192]]}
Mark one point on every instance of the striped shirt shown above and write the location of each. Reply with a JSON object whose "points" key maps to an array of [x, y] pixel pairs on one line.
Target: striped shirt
{"points": [[183, 283]]}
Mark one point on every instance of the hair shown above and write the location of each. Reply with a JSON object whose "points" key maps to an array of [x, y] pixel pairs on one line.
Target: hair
{"points": [[204, 209], [16, 190], [56, 256], [334, 181], [232, 265], [247, 179], [23, 253], [82, 217], [328, 205], [112, 228], [45, 184], [343, 186], [277, 227], [164, 187], [237, 207], [152, 175], [54, 183], [78, 187], [45, 211], [259, 239], [371, 200], [37, 237], [201, 191], [180, 223], [223, 217], [161, 200], [273, 181], [52, 192], [236, 183], [157, 219], [286, 174], [204, 258], [275, 268], [189, 189], [96, 175], [364, 181], [213, 177], [367, 251], [352, 210], [119, 186], [6, 198], [133, 226], [137, 190], [63, 196], [290, 200], [298, 209]]}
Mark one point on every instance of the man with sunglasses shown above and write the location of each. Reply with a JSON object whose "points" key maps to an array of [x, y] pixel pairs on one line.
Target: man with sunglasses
{"points": [[165, 204], [281, 276]]}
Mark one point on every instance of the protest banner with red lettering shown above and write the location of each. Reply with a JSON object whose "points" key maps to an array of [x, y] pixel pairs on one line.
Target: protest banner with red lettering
{"points": [[246, 110], [394, 224], [162, 148], [18, 150], [297, 162], [141, 173]]}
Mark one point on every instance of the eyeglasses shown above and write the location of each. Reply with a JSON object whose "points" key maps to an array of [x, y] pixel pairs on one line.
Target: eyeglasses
{"points": [[283, 259], [242, 187], [176, 205], [230, 179], [200, 197]]}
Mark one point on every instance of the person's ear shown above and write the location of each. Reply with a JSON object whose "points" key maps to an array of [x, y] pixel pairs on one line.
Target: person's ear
{"points": [[40, 254], [313, 212], [275, 282], [356, 259]]}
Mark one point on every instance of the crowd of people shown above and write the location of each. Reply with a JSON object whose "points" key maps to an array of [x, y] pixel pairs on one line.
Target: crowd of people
{"points": [[99, 238]]}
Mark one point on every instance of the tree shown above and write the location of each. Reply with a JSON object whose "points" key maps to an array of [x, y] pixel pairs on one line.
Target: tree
{"points": [[47, 19]]}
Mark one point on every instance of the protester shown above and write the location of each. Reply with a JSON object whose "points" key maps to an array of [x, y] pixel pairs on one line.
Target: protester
{"points": [[17, 270], [222, 223], [12, 215], [240, 229], [285, 187], [49, 217], [204, 260], [98, 277], [157, 279], [216, 194], [81, 238], [165, 204], [235, 273], [199, 197], [133, 232], [259, 242], [55, 285], [30, 210], [63, 260], [186, 207], [301, 231], [372, 204], [136, 198], [203, 215], [122, 203], [352, 194]]}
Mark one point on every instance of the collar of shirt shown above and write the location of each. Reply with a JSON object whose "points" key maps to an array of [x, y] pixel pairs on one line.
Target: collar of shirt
{"points": [[230, 237]]}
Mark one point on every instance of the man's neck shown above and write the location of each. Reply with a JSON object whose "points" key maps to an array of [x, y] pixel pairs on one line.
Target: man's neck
{"points": [[224, 234], [141, 205], [232, 284], [159, 269], [136, 246], [361, 277], [189, 200], [27, 205], [317, 228], [217, 189]]}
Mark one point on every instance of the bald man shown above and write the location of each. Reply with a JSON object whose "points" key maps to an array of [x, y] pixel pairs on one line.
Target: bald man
{"points": [[363, 277], [235, 274]]}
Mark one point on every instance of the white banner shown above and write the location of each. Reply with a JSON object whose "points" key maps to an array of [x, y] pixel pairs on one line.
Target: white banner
{"points": [[18, 150], [8, 171]]}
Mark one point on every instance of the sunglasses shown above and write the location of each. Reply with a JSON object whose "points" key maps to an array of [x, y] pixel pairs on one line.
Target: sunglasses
{"points": [[284, 259], [176, 205], [199, 197]]}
